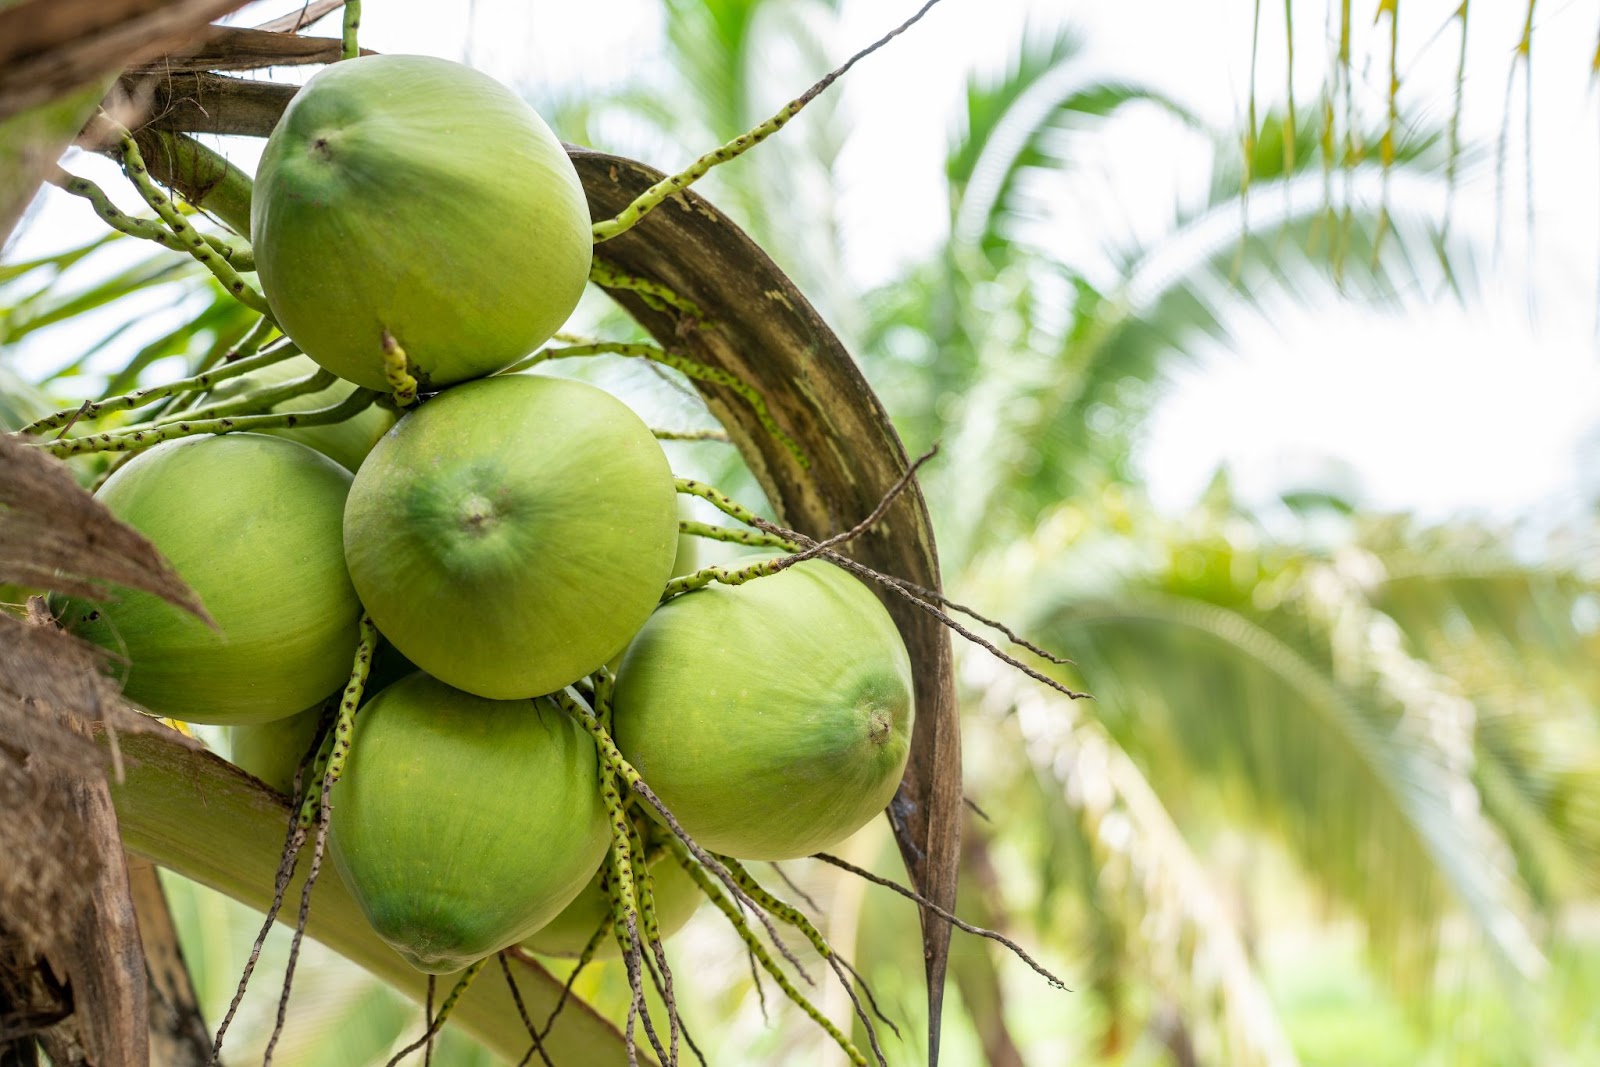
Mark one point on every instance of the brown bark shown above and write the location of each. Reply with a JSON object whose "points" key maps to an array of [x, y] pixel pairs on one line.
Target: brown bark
{"points": [[178, 1033], [49, 48]]}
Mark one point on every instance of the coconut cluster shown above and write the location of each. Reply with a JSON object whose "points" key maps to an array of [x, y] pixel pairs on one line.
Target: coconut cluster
{"points": [[509, 537]]}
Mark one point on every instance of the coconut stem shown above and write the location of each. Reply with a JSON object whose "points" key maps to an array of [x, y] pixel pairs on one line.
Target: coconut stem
{"points": [[655, 294], [611, 757], [690, 368], [352, 26], [522, 1011], [188, 237], [585, 958], [437, 1024], [734, 535], [757, 949], [344, 725], [930, 906], [720, 436], [788, 913], [395, 369], [666, 187], [140, 439], [632, 901], [260, 401], [142, 397], [645, 887], [624, 909], [240, 257], [721, 501]]}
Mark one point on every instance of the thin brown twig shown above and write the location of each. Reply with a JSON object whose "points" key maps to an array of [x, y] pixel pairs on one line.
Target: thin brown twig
{"points": [[929, 905], [790, 882]]}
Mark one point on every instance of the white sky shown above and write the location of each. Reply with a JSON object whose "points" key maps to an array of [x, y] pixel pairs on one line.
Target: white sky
{"points": [[1437, 408]]}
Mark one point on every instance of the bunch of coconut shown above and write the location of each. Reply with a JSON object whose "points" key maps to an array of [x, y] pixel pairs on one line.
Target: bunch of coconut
{"points": [[509, 536]]}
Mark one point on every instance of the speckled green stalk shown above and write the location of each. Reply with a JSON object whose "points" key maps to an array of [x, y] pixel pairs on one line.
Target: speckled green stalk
{"points": [[646, 889], [759, 951], [735, 536], [722, 502], [140, 398], [352, 26], [394, 368], [690, 368], [585, 958], [666, 187], [724, 575], [614, 763], [237, 256], [251, 342], [625, 912], [658, 193], [337, 746], [654, 294], [437, 1022], [788, 913], [720, 436], [189, 238], [140, 439], [260, 401]]}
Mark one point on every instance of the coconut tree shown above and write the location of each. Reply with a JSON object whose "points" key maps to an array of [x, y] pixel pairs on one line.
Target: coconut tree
{"points": [[1341, 717]]}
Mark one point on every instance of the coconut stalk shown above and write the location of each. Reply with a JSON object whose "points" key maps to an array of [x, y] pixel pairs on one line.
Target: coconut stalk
{"points": [[199, 816]]}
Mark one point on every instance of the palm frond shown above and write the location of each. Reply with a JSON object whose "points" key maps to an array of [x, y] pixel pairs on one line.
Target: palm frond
{"points": [[1180, 937], [1011, 126]]}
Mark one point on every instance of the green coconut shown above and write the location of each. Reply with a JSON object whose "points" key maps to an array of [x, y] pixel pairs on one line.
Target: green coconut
{"points": [[346, 443], [462, 825], [273, 751], [416, 197], [512, 534], [772, 718], [252, 524]]}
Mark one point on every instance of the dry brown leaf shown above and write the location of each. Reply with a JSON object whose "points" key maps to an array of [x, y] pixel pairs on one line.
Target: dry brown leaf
{"points": [[53, 535]]}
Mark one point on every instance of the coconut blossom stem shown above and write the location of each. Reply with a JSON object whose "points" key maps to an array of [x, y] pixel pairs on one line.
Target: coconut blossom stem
{"points": [[137, 440], [352, 26], [930, 906], [690, 368], [395, 370], [612, 757], [768, 964], [260, 401], [240, 257], [666, 187], [344, 725], [723, 503], [655, 294], [720, 436], [733, 535], [190, 239], [766, 568], [140, 398], [788, 913], [445, 1009], [661, 974], [522, 1012]]}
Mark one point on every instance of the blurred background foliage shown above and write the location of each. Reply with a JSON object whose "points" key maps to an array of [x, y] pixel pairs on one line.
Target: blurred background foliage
{"points": [[1336, 799]]}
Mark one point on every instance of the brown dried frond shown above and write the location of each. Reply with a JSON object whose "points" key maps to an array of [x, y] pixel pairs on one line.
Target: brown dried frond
{"points": [[53, 535]]}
